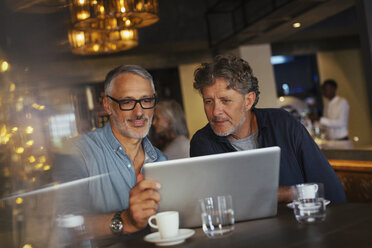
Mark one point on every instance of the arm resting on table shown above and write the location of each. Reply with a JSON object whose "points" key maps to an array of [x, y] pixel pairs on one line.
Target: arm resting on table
{"points": [[284, 194]]}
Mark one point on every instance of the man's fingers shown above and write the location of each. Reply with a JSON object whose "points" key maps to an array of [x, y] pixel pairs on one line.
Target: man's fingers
{"points": [[150, 205], [141, 212], [144, 206], [143, 201], [146, 184], [151, 195], [140, 217], [140, 177], [144, 196], [149, 212]]}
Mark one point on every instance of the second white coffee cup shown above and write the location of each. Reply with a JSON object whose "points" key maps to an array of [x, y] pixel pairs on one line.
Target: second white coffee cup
{"points": [[307, 191], [166, 222]]}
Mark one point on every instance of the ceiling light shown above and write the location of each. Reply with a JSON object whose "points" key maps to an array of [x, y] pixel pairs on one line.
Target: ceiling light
{"points": [[4, 66], [100, 42], [108, 26], [93, 14], [296, 25]]}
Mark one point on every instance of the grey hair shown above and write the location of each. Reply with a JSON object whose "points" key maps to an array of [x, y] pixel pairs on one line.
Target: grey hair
{"points": [[123, 69], [173, 112], [236, 71]]}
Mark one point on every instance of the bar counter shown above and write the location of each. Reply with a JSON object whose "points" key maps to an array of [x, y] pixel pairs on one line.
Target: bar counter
{"points": [[354, 168], [346, 225]]}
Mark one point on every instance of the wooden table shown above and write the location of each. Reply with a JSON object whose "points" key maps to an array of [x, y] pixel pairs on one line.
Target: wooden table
{"points": [[346, 225]]}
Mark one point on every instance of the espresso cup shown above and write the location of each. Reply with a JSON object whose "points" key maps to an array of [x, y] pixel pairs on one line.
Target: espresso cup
{"points": [[307, 191], [166, 222]]}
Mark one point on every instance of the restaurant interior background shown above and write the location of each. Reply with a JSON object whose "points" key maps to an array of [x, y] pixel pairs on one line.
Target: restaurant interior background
{"points": [[49, 94]]}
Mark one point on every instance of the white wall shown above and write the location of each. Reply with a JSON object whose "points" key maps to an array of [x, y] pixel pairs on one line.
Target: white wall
{"points": [[258, 56], [192, 101]]}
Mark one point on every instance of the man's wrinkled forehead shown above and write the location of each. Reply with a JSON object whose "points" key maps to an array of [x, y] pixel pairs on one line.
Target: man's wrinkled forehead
{"points": [[131, 82], [131, 85], [228, 87]]}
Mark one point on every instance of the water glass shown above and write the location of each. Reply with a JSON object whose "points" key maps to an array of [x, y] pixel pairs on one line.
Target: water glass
{"points": [[217, 215], [308, 202], [72, 232]]}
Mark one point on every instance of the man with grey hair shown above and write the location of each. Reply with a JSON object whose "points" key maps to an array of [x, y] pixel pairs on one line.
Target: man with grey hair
{"points": [[120, 200], [230, 93]]}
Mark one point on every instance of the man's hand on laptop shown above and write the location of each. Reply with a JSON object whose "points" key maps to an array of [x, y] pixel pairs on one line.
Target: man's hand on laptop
{"points": [[284, 194], [143, 202]]}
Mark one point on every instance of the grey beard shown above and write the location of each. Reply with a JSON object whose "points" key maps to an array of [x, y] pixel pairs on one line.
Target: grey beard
{"points": [[232, 130]]}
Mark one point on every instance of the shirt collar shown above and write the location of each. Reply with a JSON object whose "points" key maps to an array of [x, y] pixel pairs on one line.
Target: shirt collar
{"points": [[334, 99], [115, 144], [149, 150], [261, 120]]}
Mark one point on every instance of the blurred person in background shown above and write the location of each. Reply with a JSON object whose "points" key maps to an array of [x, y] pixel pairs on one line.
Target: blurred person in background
{"points": [[106, 163], [335, 113], [171, 131]]}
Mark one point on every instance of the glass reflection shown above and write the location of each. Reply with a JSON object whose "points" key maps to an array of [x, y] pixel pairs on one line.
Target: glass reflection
{"points": [[34, 124]]}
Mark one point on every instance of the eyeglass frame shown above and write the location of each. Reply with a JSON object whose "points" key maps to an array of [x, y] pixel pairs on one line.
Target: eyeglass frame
{"points": [[135, 102]]}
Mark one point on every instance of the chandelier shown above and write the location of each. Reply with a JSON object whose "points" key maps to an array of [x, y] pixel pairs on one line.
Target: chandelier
{"points": [[108, 26], [102, 41]]}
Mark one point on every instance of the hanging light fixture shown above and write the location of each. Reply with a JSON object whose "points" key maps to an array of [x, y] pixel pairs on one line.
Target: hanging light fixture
{"points": [[104, 13], [107, 26], [102, 41]]}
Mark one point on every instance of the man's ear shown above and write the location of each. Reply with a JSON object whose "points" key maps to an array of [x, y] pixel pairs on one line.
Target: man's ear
{"points": [[250, 98], [106, 106]]}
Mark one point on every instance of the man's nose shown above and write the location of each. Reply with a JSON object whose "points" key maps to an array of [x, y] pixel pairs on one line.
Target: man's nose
{"points": [[217, 109], [138, 110]]}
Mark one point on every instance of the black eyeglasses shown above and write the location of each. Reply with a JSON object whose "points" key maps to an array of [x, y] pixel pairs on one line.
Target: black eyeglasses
{"points": [[130, 104]]}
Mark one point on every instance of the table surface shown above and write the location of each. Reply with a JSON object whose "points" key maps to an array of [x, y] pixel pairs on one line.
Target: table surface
{"points": [[346, 225]]}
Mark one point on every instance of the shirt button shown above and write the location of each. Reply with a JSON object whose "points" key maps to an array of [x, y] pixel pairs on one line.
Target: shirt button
{"points": [[128, 165], [120, 148]]}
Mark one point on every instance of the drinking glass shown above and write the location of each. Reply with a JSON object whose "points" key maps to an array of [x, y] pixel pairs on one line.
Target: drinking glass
{"points": [[217, 215], [308, 202]]}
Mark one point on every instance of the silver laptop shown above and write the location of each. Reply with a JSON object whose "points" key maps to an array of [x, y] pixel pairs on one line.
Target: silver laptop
{"points": [[250, 177]]}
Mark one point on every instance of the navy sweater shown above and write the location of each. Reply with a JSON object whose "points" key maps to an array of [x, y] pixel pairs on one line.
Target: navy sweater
{"points": [[301, 160]]}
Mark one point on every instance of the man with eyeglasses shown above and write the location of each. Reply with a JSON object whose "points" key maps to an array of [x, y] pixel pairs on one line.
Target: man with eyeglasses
{"points": [[115, 199], [230, 92]]}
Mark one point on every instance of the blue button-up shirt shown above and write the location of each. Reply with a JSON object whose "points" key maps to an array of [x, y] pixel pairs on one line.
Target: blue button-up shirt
{"points": [[99, 156]]}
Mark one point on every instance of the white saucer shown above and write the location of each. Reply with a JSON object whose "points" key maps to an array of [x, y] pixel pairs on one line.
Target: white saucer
{"points": [[290, 205], [180, 238]]}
